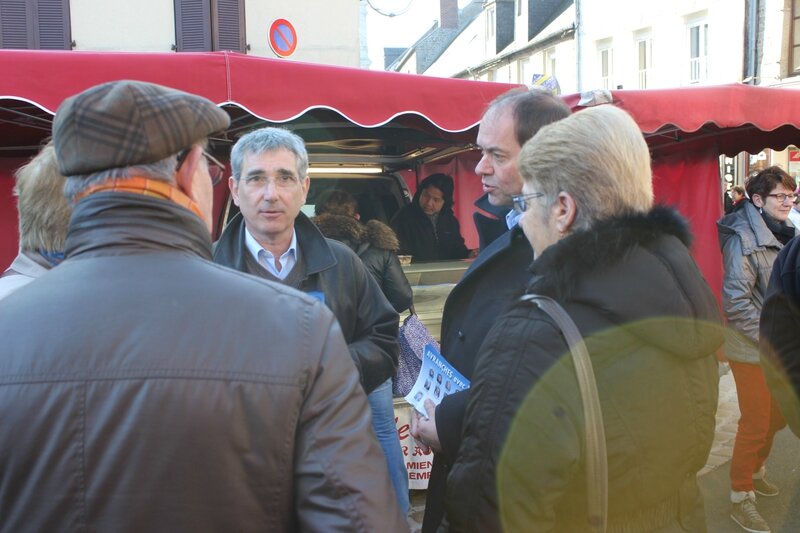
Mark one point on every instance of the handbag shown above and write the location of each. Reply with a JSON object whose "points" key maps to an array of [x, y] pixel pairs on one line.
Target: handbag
{"points": [[596, 458], [412, 338]]}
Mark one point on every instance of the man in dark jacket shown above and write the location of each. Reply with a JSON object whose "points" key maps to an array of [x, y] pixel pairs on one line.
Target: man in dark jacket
{"points": [[427, 228], [522, 465], [271, 238], [158, 391], [498, 274]]}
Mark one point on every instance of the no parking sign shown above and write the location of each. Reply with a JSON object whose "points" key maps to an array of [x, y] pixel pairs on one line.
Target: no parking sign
{"points": [[282, 37]]}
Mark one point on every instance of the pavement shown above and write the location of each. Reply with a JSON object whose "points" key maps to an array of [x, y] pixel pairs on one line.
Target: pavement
{"points": [[720, 455], [727, 421]]}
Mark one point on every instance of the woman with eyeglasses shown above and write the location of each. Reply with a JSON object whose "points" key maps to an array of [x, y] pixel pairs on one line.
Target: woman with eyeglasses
{"points": [[622, 270], [750, 239]]}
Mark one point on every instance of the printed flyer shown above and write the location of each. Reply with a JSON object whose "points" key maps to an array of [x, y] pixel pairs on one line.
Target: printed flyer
{"points": [[437, 378]]}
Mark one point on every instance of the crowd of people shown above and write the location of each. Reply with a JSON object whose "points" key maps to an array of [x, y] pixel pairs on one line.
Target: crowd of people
{"points": [[151, 380]]}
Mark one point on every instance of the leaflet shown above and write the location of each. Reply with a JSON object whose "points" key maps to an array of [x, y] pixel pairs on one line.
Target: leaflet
{"points": [[437, 378]]}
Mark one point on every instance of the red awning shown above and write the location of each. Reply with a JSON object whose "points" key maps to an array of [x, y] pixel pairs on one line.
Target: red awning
{"points": [[271, 89], [687, 130], [733, 118]]}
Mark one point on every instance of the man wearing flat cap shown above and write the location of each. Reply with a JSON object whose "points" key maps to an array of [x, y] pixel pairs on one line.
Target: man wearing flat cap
{"points": [[159, 391]]}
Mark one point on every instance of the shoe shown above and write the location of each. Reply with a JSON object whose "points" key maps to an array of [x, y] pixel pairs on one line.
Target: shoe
{"points": [[746, 515], [765, 488]]}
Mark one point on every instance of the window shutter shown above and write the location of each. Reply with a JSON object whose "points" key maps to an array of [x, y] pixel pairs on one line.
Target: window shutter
{"points": [[193, 25], [53, 29], [229, 25], [15, 24]]}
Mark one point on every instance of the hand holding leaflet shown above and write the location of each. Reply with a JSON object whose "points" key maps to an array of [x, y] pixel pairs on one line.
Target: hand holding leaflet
{"points": [[437, 378]]}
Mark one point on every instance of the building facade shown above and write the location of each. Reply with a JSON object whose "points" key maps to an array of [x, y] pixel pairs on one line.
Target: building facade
{"points": [[327, 30]]}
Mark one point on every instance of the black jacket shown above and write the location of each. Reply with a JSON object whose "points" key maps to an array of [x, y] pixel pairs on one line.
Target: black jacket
{"points": [[493, 280], [376, 244], [652, 327], [368, 321], [417, 238], [157, 391], [779, 333]]}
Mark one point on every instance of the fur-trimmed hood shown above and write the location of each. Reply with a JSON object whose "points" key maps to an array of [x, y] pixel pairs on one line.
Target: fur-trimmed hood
{"points": [[635, 270], [355, 234]]}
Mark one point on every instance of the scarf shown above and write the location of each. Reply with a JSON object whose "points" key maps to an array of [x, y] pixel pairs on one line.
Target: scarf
{"points": [[146, 187], [782, 232]]}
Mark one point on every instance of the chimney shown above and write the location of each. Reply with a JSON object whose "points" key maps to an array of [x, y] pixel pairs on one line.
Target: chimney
{"points": [[448, 14]]}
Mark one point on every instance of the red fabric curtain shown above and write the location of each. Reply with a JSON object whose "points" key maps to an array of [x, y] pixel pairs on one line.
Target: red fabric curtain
{"points": [[690, 182]]}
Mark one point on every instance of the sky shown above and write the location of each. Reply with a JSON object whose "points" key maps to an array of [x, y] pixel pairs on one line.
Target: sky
{"points": [[400, 31]]}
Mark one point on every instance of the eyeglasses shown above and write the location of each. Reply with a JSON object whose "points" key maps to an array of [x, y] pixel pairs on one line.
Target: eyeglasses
{"points": [[521, 201], [215, 169], [781, 197]]}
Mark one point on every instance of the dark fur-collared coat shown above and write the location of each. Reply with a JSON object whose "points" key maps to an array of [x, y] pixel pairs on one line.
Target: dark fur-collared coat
{"points": [[376, 244], [651, 326]]}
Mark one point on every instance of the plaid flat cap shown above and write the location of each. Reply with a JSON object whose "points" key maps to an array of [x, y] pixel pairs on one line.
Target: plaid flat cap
{"points": [[125, 123]]}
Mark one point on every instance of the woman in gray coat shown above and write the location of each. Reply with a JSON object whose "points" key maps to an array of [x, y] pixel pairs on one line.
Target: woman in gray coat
{"points": [[751, 238]]}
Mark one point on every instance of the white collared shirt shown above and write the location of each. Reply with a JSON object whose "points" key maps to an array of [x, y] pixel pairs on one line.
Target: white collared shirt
{"points": [[267, 260]]}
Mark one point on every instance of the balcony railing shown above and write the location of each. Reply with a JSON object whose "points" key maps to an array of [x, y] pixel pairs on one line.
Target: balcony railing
{"points": [[697, 69], [643, 73]]}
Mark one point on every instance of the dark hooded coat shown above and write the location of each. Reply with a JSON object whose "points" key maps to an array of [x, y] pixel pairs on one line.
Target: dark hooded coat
{"points": [[652, 326], [376, 244], [779, 340]]}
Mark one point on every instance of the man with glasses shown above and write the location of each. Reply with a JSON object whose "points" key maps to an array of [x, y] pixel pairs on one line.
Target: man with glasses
{"points": [[144, 388], [271, 238], [498, 274], [750, 239]]}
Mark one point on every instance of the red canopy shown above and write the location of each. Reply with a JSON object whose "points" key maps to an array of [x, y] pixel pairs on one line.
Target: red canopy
{"points": [[331, 103], [271, 89], [734, 118]]}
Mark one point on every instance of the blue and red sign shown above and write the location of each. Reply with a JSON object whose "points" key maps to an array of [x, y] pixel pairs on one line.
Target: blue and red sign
{"points": [[282, 37]]}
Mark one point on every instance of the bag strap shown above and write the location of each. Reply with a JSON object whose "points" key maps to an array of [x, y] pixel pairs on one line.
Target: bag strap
{"points": [[596, 458]]}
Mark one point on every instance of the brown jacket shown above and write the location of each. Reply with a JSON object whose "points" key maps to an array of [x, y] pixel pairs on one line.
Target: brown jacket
{"points": [[158, 391]]}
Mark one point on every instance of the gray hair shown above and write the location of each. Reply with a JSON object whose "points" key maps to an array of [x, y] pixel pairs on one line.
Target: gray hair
{"points": [[267, 140], [599, 157], [163, 170], [43, 211]]}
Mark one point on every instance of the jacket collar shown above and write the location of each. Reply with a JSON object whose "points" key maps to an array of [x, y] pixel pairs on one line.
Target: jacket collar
{"points": [[750, 227], [317, 255], [134, 223], [555, 271], [497, 246], [355, 234], [498, 211], [29, 264]]}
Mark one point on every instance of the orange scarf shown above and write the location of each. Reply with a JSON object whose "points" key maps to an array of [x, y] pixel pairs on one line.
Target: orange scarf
{"points": [[147, 187]]}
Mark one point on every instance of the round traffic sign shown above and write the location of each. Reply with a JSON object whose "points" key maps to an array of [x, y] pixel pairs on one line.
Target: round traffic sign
{"points": [[282, 37]]}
